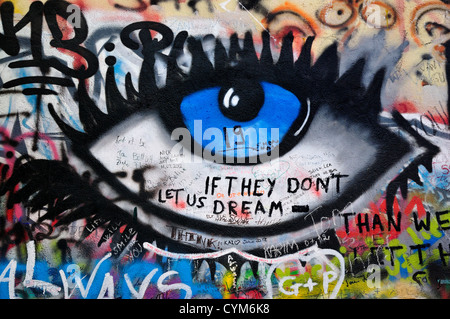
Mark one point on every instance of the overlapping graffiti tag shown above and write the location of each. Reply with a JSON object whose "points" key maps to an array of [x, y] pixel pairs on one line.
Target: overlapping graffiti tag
{"points": [[224, 149]]}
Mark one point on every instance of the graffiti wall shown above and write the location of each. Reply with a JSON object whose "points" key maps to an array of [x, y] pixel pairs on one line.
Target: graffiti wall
{"points": [[224, 149]]}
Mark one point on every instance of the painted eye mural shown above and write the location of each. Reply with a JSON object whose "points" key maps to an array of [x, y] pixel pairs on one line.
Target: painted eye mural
{"points": [[189, 149]]}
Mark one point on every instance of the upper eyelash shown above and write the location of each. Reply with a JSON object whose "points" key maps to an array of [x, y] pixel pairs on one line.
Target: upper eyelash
{"points": [[95, 122]]}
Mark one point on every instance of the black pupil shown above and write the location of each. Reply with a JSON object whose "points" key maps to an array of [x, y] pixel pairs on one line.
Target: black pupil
{"points": [[241, 101]]}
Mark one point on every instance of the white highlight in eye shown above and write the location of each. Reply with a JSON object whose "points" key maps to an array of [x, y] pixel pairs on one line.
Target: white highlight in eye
{"points": [[226, 98], [235, 100]]}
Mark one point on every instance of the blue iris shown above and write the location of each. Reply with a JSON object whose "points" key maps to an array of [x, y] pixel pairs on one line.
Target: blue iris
{"points": [[205, 115]]}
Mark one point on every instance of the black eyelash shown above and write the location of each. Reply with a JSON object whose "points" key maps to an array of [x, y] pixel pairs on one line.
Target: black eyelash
{"points": [[412, 171], [319, 83], [237, 62]]}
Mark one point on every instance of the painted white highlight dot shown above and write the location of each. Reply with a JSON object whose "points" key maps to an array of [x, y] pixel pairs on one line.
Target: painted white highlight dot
{"points": [[235, 100], [226, 98]]}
